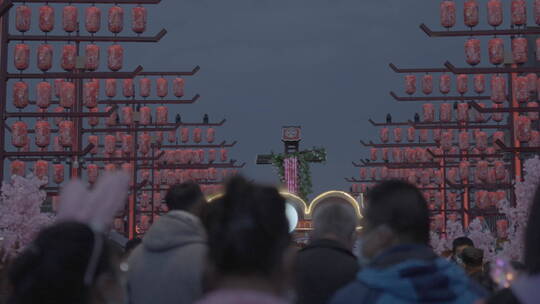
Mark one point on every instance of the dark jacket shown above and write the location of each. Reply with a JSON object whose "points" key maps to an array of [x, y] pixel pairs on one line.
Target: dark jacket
{"points": [[322, 268], [410, 274], [167, 267], [525, 290]]}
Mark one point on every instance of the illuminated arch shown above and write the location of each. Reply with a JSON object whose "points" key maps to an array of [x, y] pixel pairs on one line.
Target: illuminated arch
{"points": [[339, 194], [298, 203]]}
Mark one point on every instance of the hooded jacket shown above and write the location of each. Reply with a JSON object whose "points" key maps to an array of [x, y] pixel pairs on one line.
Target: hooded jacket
{"points": [[168, 266], [410, 274]]}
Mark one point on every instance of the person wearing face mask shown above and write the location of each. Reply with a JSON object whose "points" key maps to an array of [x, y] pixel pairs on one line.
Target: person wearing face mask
{"points": [[334, 232], [398, 264]]}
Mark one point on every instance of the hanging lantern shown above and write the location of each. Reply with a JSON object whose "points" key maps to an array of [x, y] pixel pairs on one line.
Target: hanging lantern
{"points": [[464, 140], [470, 13], [397, 155], [224, 155], [128, 88], [178, 87], [162, 87], [67, 131], [18, 168], [94, 140], [479, 83], [69, 57], [373, 154], [495, 12], [197, 135], [437, 134], [45, 57], [110, 88], [159, 137], [20, 94], [46, 18], [448, 13], [92, 57], [410, 155], [111, 120], [67, 95], [93, 19], [445, 114], [481, 140], [116, 19], [43, 95], [500, 170], [462, 84], [384, 135], [110, 144], [497, 116], [116, 57], [23, 18], [145, 85], [446, 141], [127, 144], [145, 143], [424, 135], [519, 50], [145, 115], [445, 83], [463, 112], [519, 12], [19, 134], [522, 93], [410, 84], [22, 56], [482, 170], [427, 84], [452, 175], [210, 135], [523, 128], [171, 136], [90, 94], [533, 115], [397, 135], [139, 15], [41, 169], [411, 134], [162, 115], [428, 112], [498, 89], [43, 133], [58, 173], [464, 170], [93, 173], [70, 17], [184, 133], [127, 115], [472, 51], [385, 154], [496, 51]]}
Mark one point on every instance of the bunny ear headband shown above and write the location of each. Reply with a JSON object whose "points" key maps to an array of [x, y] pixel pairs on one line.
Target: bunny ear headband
{"points": [[96, 207]]}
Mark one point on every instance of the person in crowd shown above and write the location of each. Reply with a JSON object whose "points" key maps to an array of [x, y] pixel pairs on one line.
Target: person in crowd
{"points": [[168, 266], [249, 246], [473, 261], [67, 263], [526, 289], [327, 263], [130, 246], [398, 265], [458, 245]]}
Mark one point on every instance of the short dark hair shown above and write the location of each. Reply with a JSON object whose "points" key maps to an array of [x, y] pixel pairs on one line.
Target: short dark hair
{"points": [[183, 196], [402, 207], [532, 237], [461, 241], [472, 256]]}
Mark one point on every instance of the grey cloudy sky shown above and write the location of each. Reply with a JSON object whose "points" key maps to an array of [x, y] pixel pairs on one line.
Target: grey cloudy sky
{"points": [[321, 64]]}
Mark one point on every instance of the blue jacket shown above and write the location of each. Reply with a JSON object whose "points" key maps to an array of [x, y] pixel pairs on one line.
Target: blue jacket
{"points": [[410, 274]]}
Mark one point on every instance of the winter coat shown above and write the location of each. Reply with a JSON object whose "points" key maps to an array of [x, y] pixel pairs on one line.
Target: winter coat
{"points": [[167, 267], [524, 291], [410, 274]]}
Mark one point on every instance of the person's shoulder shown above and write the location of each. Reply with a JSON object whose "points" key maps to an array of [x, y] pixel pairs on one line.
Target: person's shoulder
{"points": [[354, 292], [505, 296]]}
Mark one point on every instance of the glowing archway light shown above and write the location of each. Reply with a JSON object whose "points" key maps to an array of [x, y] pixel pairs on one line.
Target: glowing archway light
{"points": [[341, 194]]}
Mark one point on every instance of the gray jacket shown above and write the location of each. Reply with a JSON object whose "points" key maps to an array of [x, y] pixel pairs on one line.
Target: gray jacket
{"points": [[167, 267]]}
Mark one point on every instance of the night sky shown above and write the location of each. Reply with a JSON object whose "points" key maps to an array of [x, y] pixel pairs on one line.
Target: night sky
{"points": [[320, 64]]}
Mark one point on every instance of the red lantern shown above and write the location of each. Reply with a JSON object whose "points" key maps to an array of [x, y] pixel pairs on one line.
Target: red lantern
{"points": [[162, 87], [90, 94], [145, 85], [464, 170], [495, 12], [18, 168], [94, 140], [110, 168], [70, 17], [373, 154], [20, 94], [452, 175], [93, 19], [448, 13], [411, 134], [69, 57], [519, 12], [110, 144], [500, 170], [110, 88], [67, 95], [428, 112], [437, 134], [43, 133], [211, 155], [445, 83], [531, 82], [43, 94], [210, 135], [92, 57], [472, 51], [410, 84], [127, 144], [497, 117], [481, 140], [522, 93], [397, 135], [67, 131], [519, 50], [172, 136], [144, 146], [197, 135], [427, 84], [139, 16], [533, 115], [41, 169], [22, 56], [116, 19], [424, 135], [384, 135], [463, 112], [127, 115], [23, 18], [185, 135], [385, 154], [145, 114], [224, 155], [502, 229], [159, 137], [482, 170], [523, 128], [446, 141], [445, 114], [58, 173], [496, 51], [498, 89], [464, 140], [162, 114], [46, 18], [178, 87], [479, 83], [111, 120], [93, 173], [19, 134], [44, 57], [128, 88], [116, 57], [470, 13], [462, 84]]}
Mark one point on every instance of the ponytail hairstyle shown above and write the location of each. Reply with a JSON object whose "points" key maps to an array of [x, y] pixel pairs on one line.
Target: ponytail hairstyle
{"points": [[248, 230], [53, 268]]}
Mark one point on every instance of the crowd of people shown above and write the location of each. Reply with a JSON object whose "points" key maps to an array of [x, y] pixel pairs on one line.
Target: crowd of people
{"points": [[238, 250]]}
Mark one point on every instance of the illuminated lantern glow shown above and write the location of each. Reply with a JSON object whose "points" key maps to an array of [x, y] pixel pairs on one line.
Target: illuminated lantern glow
{"points": [[479, 83], [519, 12], [23, 18], [397, 135], [41, 169], [428, 112], [178, 87], [481, 140], [472, 51], [92, 57], [162, 114], [498, 89], [93, 19], [69, 57], [445, 114], [374, 153], [145, 85], [197, 135], [67, 95], [19, 134], [496, 51], [523, 128], [22, 56], [116, 19], [45, 57], [110, 88], [427, 84], [445, 84], [224, 155], [110, 144], [70, 16], [464, 140], [463, 112], [58, 173], [90, 94], [470, 13], [127, 115], [18, 168], [446, 141], [522, 92], [410, 84], [145, 142], [464, 170], [139, 15], [519, 50], [128, 88], [46, 18], [495, 12], [116, 57], [162, 87], [145, 114], [127, 144], [43, 133], [411, 134], [20, 94], [462, 84], [210, 135], [66, 131], [448, 13], [384, 135], [43, 95]]}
